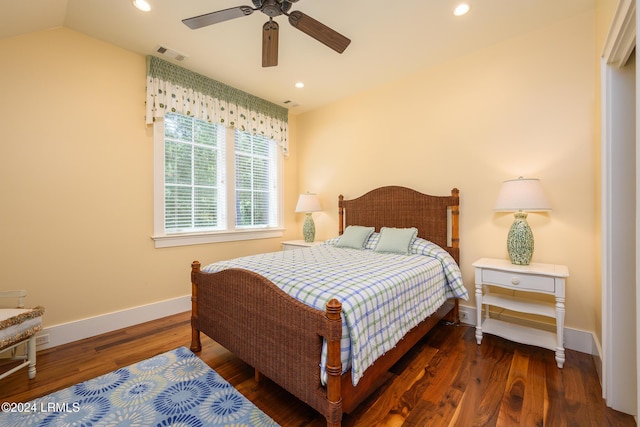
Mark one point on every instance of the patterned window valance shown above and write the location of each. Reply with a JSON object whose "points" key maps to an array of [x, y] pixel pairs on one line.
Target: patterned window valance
{"points": [[175, 89]]}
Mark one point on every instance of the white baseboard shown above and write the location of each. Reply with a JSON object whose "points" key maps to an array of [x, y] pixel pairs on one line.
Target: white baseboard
{"points": [[574, 339], [73, 331]]}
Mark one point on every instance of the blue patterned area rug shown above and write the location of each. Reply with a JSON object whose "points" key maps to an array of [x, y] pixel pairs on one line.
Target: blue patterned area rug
{"points": [[172, 389]]}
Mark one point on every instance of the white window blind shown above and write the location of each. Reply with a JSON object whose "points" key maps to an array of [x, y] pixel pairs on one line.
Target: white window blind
{"points": [[194, 175], [256, 186]]}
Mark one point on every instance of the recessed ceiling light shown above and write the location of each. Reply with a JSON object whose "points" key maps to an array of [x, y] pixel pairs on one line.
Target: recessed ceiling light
{"points": [[299, 85], [142, 5], [461, 9]]}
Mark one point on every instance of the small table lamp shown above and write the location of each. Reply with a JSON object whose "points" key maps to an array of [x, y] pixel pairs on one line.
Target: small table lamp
{"points": [[308, 203], [519, 195]]}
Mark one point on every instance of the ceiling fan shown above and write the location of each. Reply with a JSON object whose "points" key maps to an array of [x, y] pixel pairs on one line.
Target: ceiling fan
{"points": [[273, 8]]}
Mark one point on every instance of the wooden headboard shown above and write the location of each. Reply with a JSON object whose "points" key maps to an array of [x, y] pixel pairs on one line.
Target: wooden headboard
{"points": [[435, 217]]}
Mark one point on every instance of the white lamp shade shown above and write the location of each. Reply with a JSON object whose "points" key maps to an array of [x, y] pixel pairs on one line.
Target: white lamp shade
{"points": [[522, 194], [308, 203]]}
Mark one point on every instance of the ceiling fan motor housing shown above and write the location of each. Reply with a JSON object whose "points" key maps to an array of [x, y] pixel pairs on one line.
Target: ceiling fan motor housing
{"points": [[273, 7]]}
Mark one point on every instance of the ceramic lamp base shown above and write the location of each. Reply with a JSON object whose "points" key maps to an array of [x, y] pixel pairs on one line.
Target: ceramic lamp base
{"points": [[309, 229], [520, 240]]}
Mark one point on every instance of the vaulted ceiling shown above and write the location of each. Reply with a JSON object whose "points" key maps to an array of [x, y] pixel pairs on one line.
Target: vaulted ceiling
{"points": [[389, 39]]}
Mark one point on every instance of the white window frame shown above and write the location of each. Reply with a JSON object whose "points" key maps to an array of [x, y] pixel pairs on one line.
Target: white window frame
{"points": [[232, 233]]}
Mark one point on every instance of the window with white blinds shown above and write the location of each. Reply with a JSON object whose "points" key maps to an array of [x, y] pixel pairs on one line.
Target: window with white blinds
{"points": [[216, 184], [256, 181], [194, 171]]}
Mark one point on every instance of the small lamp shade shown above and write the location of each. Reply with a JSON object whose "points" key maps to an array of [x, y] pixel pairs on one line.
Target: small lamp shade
{"points": [[308, 203], [520, 195]]}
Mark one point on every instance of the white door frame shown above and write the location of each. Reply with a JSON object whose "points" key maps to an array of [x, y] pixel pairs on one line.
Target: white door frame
{"points": [[619, 46]]}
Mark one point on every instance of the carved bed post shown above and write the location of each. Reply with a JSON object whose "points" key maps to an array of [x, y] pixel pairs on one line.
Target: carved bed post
{"points": [[455, 218], [195, 333], [340, 214], [455, 242], [334, 364]]}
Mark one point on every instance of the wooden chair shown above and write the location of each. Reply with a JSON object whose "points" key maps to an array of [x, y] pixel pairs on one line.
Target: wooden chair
{"points": [[19, 326]]}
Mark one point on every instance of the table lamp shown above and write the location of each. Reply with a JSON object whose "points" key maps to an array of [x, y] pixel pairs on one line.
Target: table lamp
{"points": [[520, 196], [308, 203]]}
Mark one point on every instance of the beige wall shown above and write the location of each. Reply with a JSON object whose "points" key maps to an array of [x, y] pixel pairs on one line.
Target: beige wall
{"points": [[76, 179], [521, 107]]}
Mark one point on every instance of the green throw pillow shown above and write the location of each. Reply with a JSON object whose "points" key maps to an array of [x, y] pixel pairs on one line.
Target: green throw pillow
{"points": [[355, 236], [396, 240]]}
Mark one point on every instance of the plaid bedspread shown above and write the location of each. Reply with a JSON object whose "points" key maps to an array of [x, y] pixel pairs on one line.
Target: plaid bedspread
{"points": [[383, 295]]}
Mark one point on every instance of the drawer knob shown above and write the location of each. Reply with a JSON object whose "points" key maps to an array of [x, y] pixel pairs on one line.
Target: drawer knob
{"points": [[515, 281]]}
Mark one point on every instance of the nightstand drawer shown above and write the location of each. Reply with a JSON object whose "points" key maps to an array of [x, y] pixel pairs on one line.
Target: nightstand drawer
{"points": [[519, 281]]}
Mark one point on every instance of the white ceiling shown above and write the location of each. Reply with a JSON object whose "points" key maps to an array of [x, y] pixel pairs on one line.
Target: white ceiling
{"points": [[389, 39]]}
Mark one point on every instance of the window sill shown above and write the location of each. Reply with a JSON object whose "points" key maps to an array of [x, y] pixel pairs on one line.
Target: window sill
{"points": [[187, 239]]}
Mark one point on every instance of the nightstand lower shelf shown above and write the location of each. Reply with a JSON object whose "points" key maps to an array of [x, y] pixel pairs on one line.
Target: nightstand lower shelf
{"points": [[522, 305], [520, 334]]}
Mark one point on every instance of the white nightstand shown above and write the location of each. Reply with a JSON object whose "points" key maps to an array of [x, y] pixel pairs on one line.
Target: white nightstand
{"points": [[539, 278], [297, 244]]}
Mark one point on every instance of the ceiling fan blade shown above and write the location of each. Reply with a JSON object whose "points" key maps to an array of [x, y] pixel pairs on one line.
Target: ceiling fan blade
{"points": [[216, 17], [270, 44], [319, 31]]}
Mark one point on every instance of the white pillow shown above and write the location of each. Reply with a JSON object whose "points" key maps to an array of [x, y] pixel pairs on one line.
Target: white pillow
{"points": [[396, 240], [355, 236]]}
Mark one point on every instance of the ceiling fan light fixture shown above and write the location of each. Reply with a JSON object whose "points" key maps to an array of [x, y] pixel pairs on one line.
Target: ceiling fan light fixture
{"points": [[461, 9], [142, 5]]}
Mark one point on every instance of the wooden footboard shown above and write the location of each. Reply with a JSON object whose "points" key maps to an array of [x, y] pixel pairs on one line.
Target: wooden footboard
{"points": [[271, 331]]}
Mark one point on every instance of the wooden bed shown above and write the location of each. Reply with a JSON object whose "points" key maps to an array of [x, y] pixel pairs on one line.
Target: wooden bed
{"points": [[282, 338]]}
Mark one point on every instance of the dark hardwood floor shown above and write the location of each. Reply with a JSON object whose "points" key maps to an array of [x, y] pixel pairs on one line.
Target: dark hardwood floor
{"points": [[446, 380]]}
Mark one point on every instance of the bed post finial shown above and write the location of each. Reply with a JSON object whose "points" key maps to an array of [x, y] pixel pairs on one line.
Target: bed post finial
{"points": [[195, 333]]}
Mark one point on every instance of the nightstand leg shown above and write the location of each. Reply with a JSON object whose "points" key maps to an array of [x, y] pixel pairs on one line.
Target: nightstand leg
{"points": [[560, 331], [479, 313]]}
